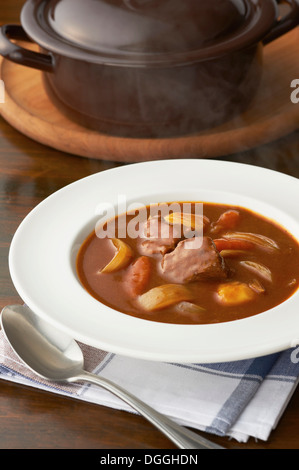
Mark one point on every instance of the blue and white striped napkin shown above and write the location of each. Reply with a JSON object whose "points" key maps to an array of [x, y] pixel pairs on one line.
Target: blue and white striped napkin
{"points": [[239, 399]]}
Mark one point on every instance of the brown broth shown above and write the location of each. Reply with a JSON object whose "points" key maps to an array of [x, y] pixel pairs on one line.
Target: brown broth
{"points": [[110, 289]]}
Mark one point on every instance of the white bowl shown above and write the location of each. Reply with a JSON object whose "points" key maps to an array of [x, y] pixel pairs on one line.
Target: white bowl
{"points": [[44, 249]]}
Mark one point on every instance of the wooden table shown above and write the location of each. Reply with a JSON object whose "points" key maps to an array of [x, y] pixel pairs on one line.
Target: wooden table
{"points": [[31, 419]]}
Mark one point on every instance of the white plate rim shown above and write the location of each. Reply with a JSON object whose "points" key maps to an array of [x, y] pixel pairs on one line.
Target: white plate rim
{"points": [[44, 247]]}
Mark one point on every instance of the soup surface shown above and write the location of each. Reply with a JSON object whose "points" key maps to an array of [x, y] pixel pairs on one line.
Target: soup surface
{"points": [[216, 264]]}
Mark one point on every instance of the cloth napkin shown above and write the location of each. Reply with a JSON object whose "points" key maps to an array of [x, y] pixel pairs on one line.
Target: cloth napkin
{"points": [[239, 399]]}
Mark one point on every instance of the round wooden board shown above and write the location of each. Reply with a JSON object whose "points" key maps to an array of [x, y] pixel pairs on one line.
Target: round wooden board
{"points": [[272, 115]]}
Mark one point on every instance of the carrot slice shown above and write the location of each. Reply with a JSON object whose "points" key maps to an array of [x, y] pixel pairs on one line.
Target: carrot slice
{"points": [[227, 221], [233, 244], [138, 276]]}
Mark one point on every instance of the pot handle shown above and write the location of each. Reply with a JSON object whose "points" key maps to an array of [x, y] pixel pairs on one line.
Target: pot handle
{"points": [[20, 55], [285, 24]]}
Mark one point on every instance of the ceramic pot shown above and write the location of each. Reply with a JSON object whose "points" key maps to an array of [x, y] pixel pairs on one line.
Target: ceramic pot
{"points": [[148, 68]]}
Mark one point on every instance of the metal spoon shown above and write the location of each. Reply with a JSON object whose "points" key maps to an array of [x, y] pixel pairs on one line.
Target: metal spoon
{"points": [[56, 357]]}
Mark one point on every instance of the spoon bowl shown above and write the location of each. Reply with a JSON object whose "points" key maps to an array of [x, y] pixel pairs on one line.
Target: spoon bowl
{"points": [[45, 350], [55, 356]]}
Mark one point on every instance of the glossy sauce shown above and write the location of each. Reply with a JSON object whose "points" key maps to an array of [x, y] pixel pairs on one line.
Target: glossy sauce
{"points": [[111, 288]]}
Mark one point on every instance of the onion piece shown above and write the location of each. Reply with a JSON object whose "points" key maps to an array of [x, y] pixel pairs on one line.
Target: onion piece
{"points": [[258, 268], [257, 286], [255, 238], [164, 296], [191, 221], [189, 307], [121, 258]]}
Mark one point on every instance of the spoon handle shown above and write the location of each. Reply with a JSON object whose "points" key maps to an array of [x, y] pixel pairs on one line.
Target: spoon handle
{"points": [[180, 436]]}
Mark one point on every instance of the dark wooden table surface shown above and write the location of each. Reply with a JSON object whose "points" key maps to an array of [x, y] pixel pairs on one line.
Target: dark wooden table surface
{"points": [[31, 419]]}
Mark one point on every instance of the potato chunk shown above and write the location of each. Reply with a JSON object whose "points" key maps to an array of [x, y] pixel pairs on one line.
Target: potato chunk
{"points": [[234, 293]]}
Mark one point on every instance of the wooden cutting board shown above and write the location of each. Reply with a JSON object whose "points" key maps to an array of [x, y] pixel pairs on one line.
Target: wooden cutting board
{"points": [[271, 115]]}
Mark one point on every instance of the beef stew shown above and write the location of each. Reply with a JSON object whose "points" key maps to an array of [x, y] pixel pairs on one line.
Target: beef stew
{"points": [[226, 264]]}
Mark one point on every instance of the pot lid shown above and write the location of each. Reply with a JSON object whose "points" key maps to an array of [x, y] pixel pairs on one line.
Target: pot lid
{"points": [[143, 31]]}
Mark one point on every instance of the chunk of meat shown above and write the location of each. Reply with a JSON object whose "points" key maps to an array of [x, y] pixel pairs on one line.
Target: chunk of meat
{"points": [[159, 237], [190, 262]]}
